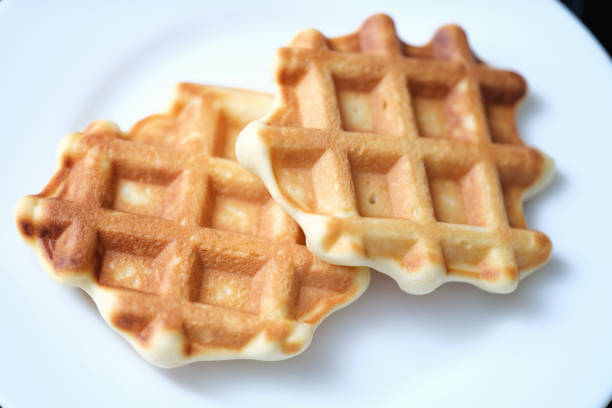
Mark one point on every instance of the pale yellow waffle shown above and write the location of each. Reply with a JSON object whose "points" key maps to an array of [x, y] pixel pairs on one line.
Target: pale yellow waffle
{"points": [[183, 250], [402, 158]]}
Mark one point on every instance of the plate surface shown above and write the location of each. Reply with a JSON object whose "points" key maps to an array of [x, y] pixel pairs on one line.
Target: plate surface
{"points": [[65, 64]]}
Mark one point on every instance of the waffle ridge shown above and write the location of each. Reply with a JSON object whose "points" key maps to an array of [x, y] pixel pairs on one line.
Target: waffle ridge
{"points": [[183, 251], [402, 158]]}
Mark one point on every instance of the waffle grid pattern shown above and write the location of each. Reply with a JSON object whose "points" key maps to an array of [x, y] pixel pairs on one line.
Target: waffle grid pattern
{"points": [[409, 153], [155, 220]]}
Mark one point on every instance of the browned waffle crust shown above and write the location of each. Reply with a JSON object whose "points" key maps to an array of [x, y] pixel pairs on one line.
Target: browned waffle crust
{"points": [[402, 158], [184, 252]]}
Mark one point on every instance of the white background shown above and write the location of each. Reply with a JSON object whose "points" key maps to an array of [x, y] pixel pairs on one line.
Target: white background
{"points": [[64, 64]]}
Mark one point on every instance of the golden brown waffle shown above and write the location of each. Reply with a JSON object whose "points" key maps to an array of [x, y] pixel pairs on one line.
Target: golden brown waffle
{"points": [[402, 158], [184, 252]]}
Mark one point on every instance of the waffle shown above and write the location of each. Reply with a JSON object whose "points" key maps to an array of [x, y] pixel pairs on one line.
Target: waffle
{"points": [[402, 158], [183, 250]]}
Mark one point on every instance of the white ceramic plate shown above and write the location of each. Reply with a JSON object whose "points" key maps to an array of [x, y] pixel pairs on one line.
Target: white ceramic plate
{"points": [[548, 344]]}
